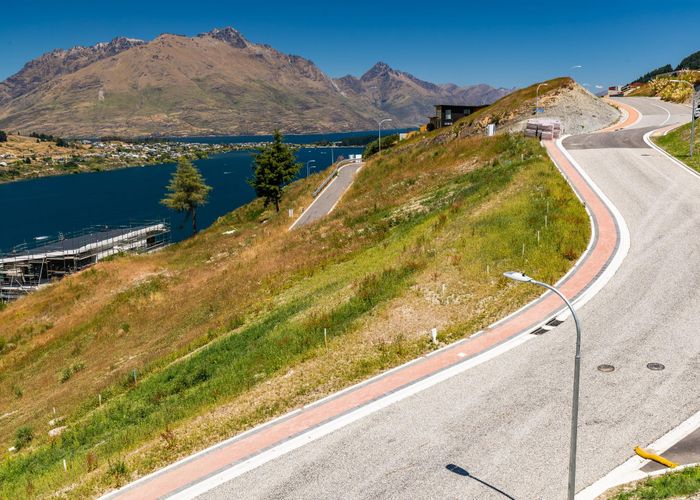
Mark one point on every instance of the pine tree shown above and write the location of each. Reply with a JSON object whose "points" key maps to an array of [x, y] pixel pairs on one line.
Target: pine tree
{"points": [[186, 191], [275, 167], [3, 136]]}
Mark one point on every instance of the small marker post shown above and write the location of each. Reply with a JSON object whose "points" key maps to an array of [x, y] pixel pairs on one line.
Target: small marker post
{"points": [[538, 236], [99, 399], [325, 337], [65, 466], [545, 221], [433, 335], [134, 376]]}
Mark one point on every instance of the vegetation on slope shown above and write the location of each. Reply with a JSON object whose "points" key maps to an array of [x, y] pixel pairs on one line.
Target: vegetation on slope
{"points": [[677, 143], [223, 331], [679, 484], [667, 90]]}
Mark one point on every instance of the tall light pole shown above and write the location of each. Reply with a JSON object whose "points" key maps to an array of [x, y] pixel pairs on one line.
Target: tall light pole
{"points": [[577, 375], [307, 166], [692, 115], [380, 131], [537, 97]]}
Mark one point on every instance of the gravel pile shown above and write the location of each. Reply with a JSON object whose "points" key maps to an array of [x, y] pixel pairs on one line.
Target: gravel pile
{"points": [[578, 110]]}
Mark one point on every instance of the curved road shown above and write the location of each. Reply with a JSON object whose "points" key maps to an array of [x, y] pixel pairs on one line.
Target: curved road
{"points": [[505, 422], [330, 196]]}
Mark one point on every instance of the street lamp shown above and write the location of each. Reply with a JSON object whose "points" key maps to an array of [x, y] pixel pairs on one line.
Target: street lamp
{"points": [[537, 97], [692, 115], [380, 131], [577, 372], [307, 166]]}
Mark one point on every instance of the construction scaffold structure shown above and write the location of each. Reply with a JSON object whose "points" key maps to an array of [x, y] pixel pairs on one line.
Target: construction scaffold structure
{"points": [[27, 268]]}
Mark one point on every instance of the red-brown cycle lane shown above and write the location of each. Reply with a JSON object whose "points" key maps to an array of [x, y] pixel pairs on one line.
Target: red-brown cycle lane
{"points": [[196, 468]]}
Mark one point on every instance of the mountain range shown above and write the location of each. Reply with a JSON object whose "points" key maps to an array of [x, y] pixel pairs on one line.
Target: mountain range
{"points": [[214, 83]]}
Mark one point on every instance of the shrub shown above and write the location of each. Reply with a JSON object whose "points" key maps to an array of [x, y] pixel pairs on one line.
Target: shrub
{"points": [[23, 437], [373, 147]]}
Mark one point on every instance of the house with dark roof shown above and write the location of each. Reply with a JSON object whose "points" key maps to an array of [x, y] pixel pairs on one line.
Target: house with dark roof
{"points": [[447, 114]]}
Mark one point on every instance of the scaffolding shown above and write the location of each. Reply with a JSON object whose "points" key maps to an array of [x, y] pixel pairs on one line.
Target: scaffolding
{"points": [[26, 268]]}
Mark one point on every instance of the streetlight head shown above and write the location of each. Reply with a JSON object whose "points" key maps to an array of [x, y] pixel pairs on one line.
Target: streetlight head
{"points": [[518, 276]]}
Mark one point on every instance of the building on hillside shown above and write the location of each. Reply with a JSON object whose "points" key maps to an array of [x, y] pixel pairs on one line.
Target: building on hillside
{"points": [[447, 114], [26, 269]]}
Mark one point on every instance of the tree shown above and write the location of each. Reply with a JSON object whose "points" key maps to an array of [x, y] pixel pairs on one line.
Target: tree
{"points": [[3, 136], [658, 71], [690, 62], [275, 166], [186, 191]]}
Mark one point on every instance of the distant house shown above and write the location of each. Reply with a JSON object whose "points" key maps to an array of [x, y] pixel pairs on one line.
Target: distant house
{"points": [[447, 114]]}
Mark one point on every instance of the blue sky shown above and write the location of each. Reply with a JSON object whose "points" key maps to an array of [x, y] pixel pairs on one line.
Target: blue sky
{"points": [[504, 43]]}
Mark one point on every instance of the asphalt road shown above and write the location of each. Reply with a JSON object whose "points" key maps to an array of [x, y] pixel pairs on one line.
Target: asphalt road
{"points": [[505, 423], [330, 196]]}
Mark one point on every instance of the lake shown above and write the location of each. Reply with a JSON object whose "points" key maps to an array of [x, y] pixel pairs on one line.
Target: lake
{"points": [[47, 206]]}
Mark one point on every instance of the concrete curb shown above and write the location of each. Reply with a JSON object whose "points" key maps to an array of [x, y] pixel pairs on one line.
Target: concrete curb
{"points": [[630, 471]]}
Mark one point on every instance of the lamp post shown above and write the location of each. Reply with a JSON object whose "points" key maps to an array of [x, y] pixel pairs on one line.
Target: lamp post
{"points": [[380, 131], [577, 374], [307, 166], [692, 115], [537, 97]]}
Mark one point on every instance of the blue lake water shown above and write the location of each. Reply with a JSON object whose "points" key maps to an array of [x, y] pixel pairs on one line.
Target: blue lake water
{"points": [[48, 206]]}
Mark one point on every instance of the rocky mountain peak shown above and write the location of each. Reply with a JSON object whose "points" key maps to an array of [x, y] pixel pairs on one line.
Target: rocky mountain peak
{"points": [[376, 71], [229, 35]]}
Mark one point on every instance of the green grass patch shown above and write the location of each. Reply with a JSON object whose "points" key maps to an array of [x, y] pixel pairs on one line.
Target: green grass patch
{"points": [[677, 143], [674, 484]]}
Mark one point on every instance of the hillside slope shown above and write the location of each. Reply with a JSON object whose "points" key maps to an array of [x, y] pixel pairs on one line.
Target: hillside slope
{"points": [[214, 83], [147, 358]]}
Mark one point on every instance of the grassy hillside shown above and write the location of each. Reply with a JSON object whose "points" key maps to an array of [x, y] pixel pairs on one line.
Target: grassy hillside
{"points": [[677, 143], [147, 358]]}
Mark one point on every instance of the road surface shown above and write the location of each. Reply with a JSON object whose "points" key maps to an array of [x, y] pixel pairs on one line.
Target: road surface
{"points": [[329, 197], [506, 422]]}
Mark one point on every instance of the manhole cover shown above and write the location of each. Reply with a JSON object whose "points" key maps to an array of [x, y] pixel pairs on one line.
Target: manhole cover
{"points": [[606, 368], [655, 366]]}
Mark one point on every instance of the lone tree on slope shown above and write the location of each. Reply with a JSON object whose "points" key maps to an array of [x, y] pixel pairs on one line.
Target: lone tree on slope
{"points": [[275, 167], [3, 136], [186, 191]]}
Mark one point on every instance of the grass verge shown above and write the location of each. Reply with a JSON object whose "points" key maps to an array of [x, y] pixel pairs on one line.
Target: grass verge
{"points": [[672, 485], [677, 143]]}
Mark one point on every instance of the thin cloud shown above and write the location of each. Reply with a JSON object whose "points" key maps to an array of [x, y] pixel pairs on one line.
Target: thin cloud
{"points": [[599, 86], [576, 67]]}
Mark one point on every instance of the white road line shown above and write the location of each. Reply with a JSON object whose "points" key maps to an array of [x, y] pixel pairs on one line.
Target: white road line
{"points": [[647, 139], [630, 470], [666, 110]]}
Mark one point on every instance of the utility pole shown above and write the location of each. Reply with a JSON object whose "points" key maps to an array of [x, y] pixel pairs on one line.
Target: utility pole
{"points": [[516, 276], [380, 131]]}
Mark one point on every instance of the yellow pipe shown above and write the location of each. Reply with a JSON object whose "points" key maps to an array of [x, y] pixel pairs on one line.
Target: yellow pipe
{"points": [[656, 458]]}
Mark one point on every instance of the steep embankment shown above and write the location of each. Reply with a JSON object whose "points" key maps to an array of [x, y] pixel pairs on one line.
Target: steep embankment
{"points": [[147, 358]]}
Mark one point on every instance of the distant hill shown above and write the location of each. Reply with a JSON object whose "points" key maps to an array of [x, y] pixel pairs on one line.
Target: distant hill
{"points": [[690, 62], [210, 84]]}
